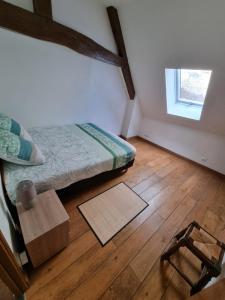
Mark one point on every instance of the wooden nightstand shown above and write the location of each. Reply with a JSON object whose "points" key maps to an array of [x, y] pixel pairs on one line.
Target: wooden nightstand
{"points": [[45, 227]]}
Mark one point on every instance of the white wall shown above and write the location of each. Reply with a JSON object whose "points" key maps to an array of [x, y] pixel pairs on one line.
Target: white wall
{"points": [[203, 147], [136, 119], [178, 34], [132, 119], [44, 84]]}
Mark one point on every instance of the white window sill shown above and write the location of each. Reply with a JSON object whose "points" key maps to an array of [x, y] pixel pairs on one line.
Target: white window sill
{"points": [[186, 111]]}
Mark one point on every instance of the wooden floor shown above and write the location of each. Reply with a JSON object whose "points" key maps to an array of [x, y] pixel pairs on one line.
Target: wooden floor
{"points": [[128, 267]]}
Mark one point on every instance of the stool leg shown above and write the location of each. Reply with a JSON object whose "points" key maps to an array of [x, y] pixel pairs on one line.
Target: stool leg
{"points": [[201, 284], [172, 250], [181, 233]]}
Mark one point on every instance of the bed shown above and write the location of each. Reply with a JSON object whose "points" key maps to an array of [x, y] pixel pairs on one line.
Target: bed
{"points": [[73, 153]]}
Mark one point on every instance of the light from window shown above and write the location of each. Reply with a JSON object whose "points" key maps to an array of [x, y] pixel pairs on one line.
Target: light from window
{"points": [[192, 85], [186, 92]]}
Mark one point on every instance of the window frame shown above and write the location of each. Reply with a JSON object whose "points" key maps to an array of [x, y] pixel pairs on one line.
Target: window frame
{"points": [[178, 89]]}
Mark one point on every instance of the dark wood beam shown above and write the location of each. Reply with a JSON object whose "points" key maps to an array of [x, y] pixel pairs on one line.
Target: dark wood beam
{"points": [[118, 35], [33, 25], [43, 8]]}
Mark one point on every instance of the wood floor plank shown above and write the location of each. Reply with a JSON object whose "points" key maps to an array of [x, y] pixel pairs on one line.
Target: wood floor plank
{"points": [[75, 274], [60, 262], [148, 255], [146, 183], [95, 286], [155, 284], [78, 226], [169, 180], [156, 164], [213, 292], [129, 267], [157, 174], [156, 203], [147, 153], [141, 174], [219, 208], [179, 194], [207, 198], [166, 170], [123, 287]]}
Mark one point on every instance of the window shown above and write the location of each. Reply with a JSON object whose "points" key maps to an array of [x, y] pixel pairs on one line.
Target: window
{"points": [[186, 91], [192, 86]]}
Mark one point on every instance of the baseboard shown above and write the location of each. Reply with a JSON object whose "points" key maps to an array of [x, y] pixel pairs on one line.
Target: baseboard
{"points": [[181, 156]]}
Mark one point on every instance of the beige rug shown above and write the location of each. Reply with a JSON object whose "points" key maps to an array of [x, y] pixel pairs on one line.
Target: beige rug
{"points": [[111, 211]]}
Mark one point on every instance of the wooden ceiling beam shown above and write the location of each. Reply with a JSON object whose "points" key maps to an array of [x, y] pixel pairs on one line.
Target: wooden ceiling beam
{"points": [[118, 35], [43, 8], [20, 20], [40, 25]]}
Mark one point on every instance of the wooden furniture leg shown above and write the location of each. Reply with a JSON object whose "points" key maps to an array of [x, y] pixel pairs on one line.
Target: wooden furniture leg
{"points": [[201, 283], [172, 249]]}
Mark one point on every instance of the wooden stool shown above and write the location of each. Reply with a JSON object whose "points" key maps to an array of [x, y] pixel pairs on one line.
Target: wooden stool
{"points": [[203, 245]]}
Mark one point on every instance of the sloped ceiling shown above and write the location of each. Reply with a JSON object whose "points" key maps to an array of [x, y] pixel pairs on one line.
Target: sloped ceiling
{"points": [[176, 34]]}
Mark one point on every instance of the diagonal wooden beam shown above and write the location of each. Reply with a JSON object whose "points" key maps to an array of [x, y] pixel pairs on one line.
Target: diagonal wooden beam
{"points": [[43, 8], [118, 35], [33, 25]]}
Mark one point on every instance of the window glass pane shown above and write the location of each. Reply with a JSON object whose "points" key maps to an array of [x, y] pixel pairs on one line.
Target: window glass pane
{"points": [[193, 85]]}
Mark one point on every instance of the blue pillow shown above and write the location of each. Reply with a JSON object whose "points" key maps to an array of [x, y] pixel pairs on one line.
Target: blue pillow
{"points": [[14, 127], [18, 150]]}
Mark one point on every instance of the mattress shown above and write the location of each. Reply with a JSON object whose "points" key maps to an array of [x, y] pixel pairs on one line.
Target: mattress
{"points": [[73, 153]]}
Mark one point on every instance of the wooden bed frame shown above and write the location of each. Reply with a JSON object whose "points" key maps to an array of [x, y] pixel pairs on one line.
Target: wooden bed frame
{"points": [[77, 186]]}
